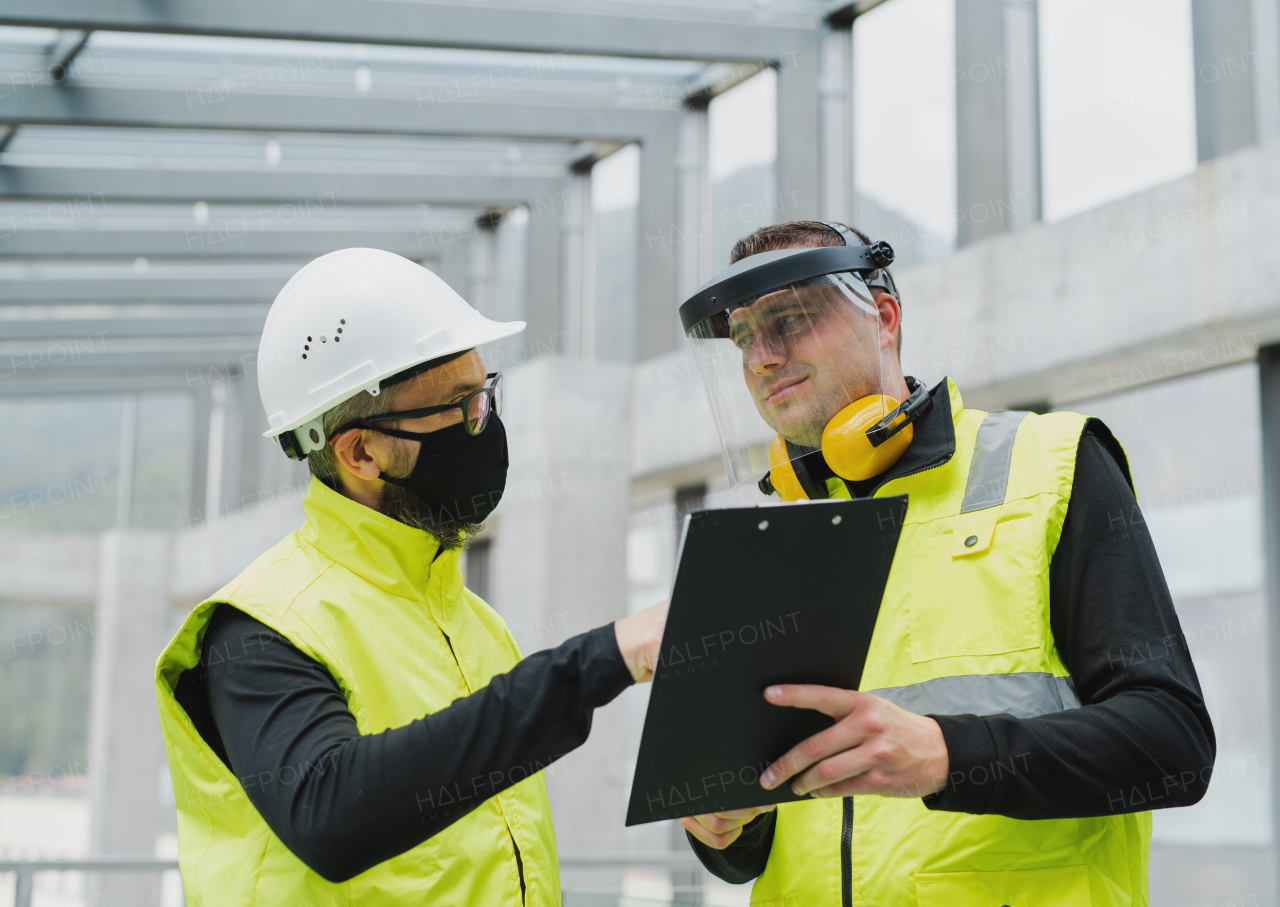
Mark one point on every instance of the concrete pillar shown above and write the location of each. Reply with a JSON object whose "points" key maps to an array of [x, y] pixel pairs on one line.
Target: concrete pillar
{"points": [[125, 748], [233, 446], [198, 472], [835, 113], [997, 117], [1269, 399], [1021, 84], [799, 161], [693, 196], [578, 266], [1226, 61], [543, 294], [1266, 69], [558, 563], [271, 465], [657, 324], [482, 290], [226, 435], [257, 472], [452, 257], [128, 457], [217, 442]]}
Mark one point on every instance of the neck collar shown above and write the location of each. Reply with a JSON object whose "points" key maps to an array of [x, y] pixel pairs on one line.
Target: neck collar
{"points": [[392, 556], [934, 441]]}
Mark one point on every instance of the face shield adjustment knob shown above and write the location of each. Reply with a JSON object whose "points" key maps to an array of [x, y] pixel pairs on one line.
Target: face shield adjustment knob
{"points": [[881, 254]]}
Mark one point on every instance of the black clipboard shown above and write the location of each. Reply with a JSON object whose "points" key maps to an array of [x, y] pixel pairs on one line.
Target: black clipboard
{"points": [[762, 595]]}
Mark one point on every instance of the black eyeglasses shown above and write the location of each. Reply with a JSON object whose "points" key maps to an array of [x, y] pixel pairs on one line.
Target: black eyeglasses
{"points": [[476, 407]]}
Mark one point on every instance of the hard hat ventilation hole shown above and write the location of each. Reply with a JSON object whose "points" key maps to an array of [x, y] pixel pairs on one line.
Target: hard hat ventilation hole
{"points": [[324, 339], [342, 321], [336, 339], [304, 355], [308, 340], [306, 346]]}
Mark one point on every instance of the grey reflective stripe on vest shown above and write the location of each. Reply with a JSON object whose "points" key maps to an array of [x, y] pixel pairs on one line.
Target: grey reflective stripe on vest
{"points": [[992, 452], [1020, 695]]}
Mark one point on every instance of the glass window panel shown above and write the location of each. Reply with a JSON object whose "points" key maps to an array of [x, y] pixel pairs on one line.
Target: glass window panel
{"points": [[62, 469], [904, 126], [742, 126], [615, 196], [162, 459], [44, 695], [1200, 494], [1117, 99], [511, 254]]}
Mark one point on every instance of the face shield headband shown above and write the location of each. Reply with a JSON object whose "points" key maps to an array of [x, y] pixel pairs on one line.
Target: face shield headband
{"points": [[758, 275]]}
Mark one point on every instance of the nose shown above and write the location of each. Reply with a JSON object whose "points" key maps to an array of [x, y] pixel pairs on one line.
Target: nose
{"points": [[765, 354]]}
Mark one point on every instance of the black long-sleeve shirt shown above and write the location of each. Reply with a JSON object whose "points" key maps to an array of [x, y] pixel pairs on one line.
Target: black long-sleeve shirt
{"points": [[1143, 738], [344, 802]]}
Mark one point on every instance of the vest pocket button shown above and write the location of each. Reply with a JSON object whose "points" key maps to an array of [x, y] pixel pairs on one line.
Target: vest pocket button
{"points": [[971, 541]]}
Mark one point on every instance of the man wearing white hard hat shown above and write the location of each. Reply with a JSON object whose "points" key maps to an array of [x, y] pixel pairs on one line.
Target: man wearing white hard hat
{"points": [[345, 722]]}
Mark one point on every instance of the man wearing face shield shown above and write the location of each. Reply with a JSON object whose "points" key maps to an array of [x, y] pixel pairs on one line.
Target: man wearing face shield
{"points": [[1027, 662], [345, 722]]}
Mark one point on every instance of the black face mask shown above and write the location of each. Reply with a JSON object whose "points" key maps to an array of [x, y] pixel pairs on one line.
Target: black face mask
{"points": [[459, 476]]}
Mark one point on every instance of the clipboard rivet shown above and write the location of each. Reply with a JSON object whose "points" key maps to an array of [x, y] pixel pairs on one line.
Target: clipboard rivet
{"points": [[835, 520], [971, 541], [764, 524]]}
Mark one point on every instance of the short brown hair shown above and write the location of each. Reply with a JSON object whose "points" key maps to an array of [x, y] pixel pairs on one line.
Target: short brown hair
{"points": [[798, 233]]}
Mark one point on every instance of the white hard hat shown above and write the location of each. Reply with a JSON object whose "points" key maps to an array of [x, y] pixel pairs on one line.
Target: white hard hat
{"points": [[347, 320]]}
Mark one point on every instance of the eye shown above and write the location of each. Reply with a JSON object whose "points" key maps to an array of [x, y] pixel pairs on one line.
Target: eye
{"points": [[742, 341]]}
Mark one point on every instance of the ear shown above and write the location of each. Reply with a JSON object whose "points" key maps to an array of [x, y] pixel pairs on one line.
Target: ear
{"points": [[353, 452], [890, 318]]}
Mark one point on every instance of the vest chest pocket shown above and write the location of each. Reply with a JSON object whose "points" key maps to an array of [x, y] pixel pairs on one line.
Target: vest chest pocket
{"points": [[1061, 886], [986, 603]]}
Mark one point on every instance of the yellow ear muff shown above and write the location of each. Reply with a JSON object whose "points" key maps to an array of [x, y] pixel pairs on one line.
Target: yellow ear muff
{"points": [[846, 447], [782, 474]]}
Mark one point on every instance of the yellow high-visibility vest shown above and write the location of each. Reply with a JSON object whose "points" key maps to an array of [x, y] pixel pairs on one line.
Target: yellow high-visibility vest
{"points": [[964, 629], [367, 597]]}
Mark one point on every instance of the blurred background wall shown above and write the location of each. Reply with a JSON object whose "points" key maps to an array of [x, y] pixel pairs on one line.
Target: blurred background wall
{"points": [[1085, 201]]}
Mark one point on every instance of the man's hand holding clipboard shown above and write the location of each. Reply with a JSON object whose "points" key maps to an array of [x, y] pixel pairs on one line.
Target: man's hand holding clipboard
{"points": [[874, 747]]}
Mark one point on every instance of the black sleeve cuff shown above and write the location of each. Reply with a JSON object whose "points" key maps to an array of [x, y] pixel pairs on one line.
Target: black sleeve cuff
{"points": [[604, 671], [746, 857], [971, 751]]}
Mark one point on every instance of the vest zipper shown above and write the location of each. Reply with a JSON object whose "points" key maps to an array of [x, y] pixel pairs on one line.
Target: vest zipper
{"points": [[846, 855], [514, 846], [519, 863], [846, 832], [914, 472]]}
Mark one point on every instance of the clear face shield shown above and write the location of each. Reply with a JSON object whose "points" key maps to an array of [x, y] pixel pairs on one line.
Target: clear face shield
{"points": [[784, 364]]}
